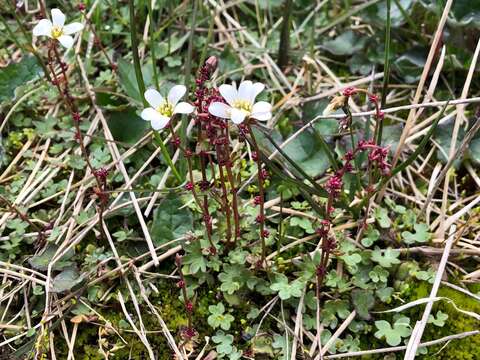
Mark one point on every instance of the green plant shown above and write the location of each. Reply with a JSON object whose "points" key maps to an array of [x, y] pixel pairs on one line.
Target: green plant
{"points": [[394, 333], [218, 318]]}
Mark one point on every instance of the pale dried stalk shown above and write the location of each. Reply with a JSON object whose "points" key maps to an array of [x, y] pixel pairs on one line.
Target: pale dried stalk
{"points": [[417, 332], [456, 155], [401, 348], [426, 69], [165, 329], [143, 338], [298, 327], [337, 333], [453, 142], [116, 156]]}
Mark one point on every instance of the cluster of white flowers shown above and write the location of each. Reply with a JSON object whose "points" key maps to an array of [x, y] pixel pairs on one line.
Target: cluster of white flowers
{"points": [[240, 103]]}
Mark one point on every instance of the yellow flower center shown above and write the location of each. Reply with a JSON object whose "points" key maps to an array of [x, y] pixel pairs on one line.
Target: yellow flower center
{"points": [[243, 105], [166, 109], [57, 31]]}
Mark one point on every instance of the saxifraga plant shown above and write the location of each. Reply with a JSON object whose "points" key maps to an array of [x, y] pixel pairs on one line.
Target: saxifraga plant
{"points": [[217, 114]]}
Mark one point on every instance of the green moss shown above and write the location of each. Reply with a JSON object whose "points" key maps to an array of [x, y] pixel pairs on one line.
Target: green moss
{"points": [[170, 308], [461, 349]]}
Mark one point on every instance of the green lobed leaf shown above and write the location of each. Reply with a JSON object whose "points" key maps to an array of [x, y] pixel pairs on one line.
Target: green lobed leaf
{"points": [[381, 215], [421, 235], [224, 342], [218, 318], [371, 235], [285, 289], [393, 334], [439, 319], [386, 258]]}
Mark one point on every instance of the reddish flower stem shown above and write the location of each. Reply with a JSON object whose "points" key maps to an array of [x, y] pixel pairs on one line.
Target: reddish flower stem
{"points": [[203, 207], [100, 190], [225, 202], [183, 285]]}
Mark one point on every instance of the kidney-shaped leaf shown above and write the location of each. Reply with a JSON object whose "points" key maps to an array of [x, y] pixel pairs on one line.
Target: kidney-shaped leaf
{"points": [[171, 220], [66, 280]]}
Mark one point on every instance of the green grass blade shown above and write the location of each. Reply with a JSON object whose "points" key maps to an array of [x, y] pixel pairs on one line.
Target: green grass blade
{"points": [[136, 59], [152, 44], [166, 155], [419, 148]]}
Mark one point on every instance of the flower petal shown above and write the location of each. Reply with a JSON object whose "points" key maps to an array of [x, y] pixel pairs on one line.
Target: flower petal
{"points": [[238, 116], [257, 89], [262, 116], [43, 28], [183, 108], [157, 120], [176, 93], [149, 113], [72, 28], [229, 93], [66, 41], [154, 98], [261, 107], [160, 122], [245, 89], [220, 109], [58, 17]]}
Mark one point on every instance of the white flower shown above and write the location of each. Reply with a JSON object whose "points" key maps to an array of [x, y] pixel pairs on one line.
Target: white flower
{"points": [[162, 109], [56, 29], [241, 103]]}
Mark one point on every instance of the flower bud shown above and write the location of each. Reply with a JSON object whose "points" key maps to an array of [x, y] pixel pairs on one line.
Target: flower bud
{"points": [[349, 91], [176, 141], [373, 98], [189, 306], [189, 332], [260, 218], [212, 250], [212, 63], [178, 260], [264, 174], [321, 270]]}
